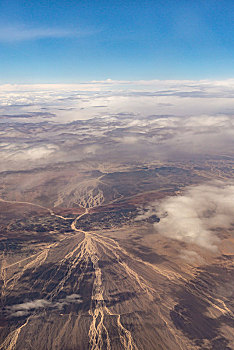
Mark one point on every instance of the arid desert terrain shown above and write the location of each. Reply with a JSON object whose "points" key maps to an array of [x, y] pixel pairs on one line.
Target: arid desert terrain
{"points": [[116, 232]]}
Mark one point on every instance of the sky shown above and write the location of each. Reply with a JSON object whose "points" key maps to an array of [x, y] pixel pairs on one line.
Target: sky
{"points": [[54, 41]]}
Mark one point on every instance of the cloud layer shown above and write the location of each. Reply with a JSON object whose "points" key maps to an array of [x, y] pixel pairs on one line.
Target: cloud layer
{"points": [[141, 121]]}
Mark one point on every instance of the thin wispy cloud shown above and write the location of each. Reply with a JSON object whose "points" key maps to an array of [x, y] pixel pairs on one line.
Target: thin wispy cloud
{"points": [[23, 309], [22, 33]]}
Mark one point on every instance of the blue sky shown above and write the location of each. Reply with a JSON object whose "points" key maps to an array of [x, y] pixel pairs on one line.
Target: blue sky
{"points": [[70, 41]]}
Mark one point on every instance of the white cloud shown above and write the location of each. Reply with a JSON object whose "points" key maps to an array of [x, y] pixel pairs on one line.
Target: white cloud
{"points": [[155, 119], [199, 215], [22, 152], [36, 153], [36, 304], [128, 140], [26, 308], [91, 149], [73, 298], [207, 121], [23, 33]]}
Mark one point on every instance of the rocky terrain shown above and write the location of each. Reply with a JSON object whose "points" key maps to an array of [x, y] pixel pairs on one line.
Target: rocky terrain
{"points": [[117, 216], [87, 269]]}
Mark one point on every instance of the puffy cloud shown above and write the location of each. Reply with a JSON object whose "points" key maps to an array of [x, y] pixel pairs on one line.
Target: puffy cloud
{"points": [[91, 149], [36, 304], [26, 308], [198, 215], [24, 152], [35, 153], [128, 140], [73, 298]]}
